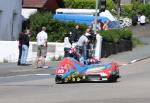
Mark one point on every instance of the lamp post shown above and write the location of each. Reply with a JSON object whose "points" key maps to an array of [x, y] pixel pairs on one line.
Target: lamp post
{"points": [[118, 8], [95, 18], [97, 54], [143, 1]]}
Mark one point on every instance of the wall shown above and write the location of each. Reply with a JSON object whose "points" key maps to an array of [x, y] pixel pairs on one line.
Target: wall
{"points": [[9, 51], [10, 19], [27, 12]]}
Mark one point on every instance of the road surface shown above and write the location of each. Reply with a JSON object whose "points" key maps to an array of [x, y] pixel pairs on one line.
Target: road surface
{"points": [[132, 87]]}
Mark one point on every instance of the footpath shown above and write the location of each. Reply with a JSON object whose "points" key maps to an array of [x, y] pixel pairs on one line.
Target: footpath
{"points": [[138, 53]]}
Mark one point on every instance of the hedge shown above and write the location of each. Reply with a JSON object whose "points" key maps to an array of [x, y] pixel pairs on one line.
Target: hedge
{"points": [[87, 4], [115, 41], [135, 8], [115, 35], [56, 30]]}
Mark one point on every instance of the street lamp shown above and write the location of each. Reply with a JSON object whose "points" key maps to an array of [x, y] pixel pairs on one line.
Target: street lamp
{"points": [[95, 18], [118, 8]]}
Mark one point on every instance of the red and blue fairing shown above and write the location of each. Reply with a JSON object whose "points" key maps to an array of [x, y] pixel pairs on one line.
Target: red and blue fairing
{"points": [[70, 70]]}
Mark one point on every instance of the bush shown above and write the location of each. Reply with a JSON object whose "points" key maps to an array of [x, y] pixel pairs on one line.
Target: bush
{"points": [[115, 35], [56, 30], [106, 36], [136, 42], [81, 4], [132, 9], [125, 34], [87, 4]]}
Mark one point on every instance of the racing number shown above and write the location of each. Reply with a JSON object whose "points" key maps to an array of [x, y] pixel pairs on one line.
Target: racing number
{"points": [[60, 71]]}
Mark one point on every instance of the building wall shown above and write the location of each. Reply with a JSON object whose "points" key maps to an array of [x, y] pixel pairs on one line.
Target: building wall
{"points": [[10, 19]]}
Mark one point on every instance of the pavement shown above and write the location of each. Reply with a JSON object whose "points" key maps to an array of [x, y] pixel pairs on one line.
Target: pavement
{"points": [[124, 58]]}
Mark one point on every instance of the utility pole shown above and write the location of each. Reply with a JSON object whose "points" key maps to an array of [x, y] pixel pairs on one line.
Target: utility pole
{"points": [[95, 18], [143, 1], [118, 8]]}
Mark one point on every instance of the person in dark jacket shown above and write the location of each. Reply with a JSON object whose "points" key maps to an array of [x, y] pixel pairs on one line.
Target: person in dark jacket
{"points": [[20, 47], [75, 34], [25, 47], [134, 20]]}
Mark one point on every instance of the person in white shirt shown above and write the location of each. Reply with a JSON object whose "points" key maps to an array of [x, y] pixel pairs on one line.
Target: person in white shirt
{"points": [[142, 20], [42, 47], [67, 43]]}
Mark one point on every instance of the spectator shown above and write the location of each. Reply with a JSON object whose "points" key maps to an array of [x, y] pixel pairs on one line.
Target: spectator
{"points": [[20, 47], [75, 34], [82, 44], [106, 25], [142, 20], [91, 44], [42, 48], [67, 44], [134, 20], [25, 47], [99, 25]]}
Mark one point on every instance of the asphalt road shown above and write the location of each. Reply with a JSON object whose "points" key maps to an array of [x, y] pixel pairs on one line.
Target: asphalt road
{"points": [[132, 87], [30, 85]]}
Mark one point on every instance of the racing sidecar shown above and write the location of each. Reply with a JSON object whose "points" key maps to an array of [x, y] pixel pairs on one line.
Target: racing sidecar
{"points": [[70, 70]]}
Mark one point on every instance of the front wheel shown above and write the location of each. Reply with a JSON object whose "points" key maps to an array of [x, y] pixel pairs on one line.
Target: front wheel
{"points": [[58, 79], [112, 79]]}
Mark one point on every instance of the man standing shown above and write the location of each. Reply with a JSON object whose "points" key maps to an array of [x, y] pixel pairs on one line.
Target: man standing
{"points": [[20, 47], [75, 34], [82, 44], [42, 48], [25, 47], [142, 20]]}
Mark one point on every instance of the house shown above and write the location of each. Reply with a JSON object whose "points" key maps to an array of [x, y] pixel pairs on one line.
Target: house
{"points": [[10, 19], [43, 5], [32, 6]]}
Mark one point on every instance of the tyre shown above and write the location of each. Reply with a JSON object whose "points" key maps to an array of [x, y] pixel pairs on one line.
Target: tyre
{"points": [[58, 79], [112, 79]]}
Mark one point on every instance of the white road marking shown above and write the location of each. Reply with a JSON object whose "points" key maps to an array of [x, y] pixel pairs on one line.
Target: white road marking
{"points": [[26, 75]]}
